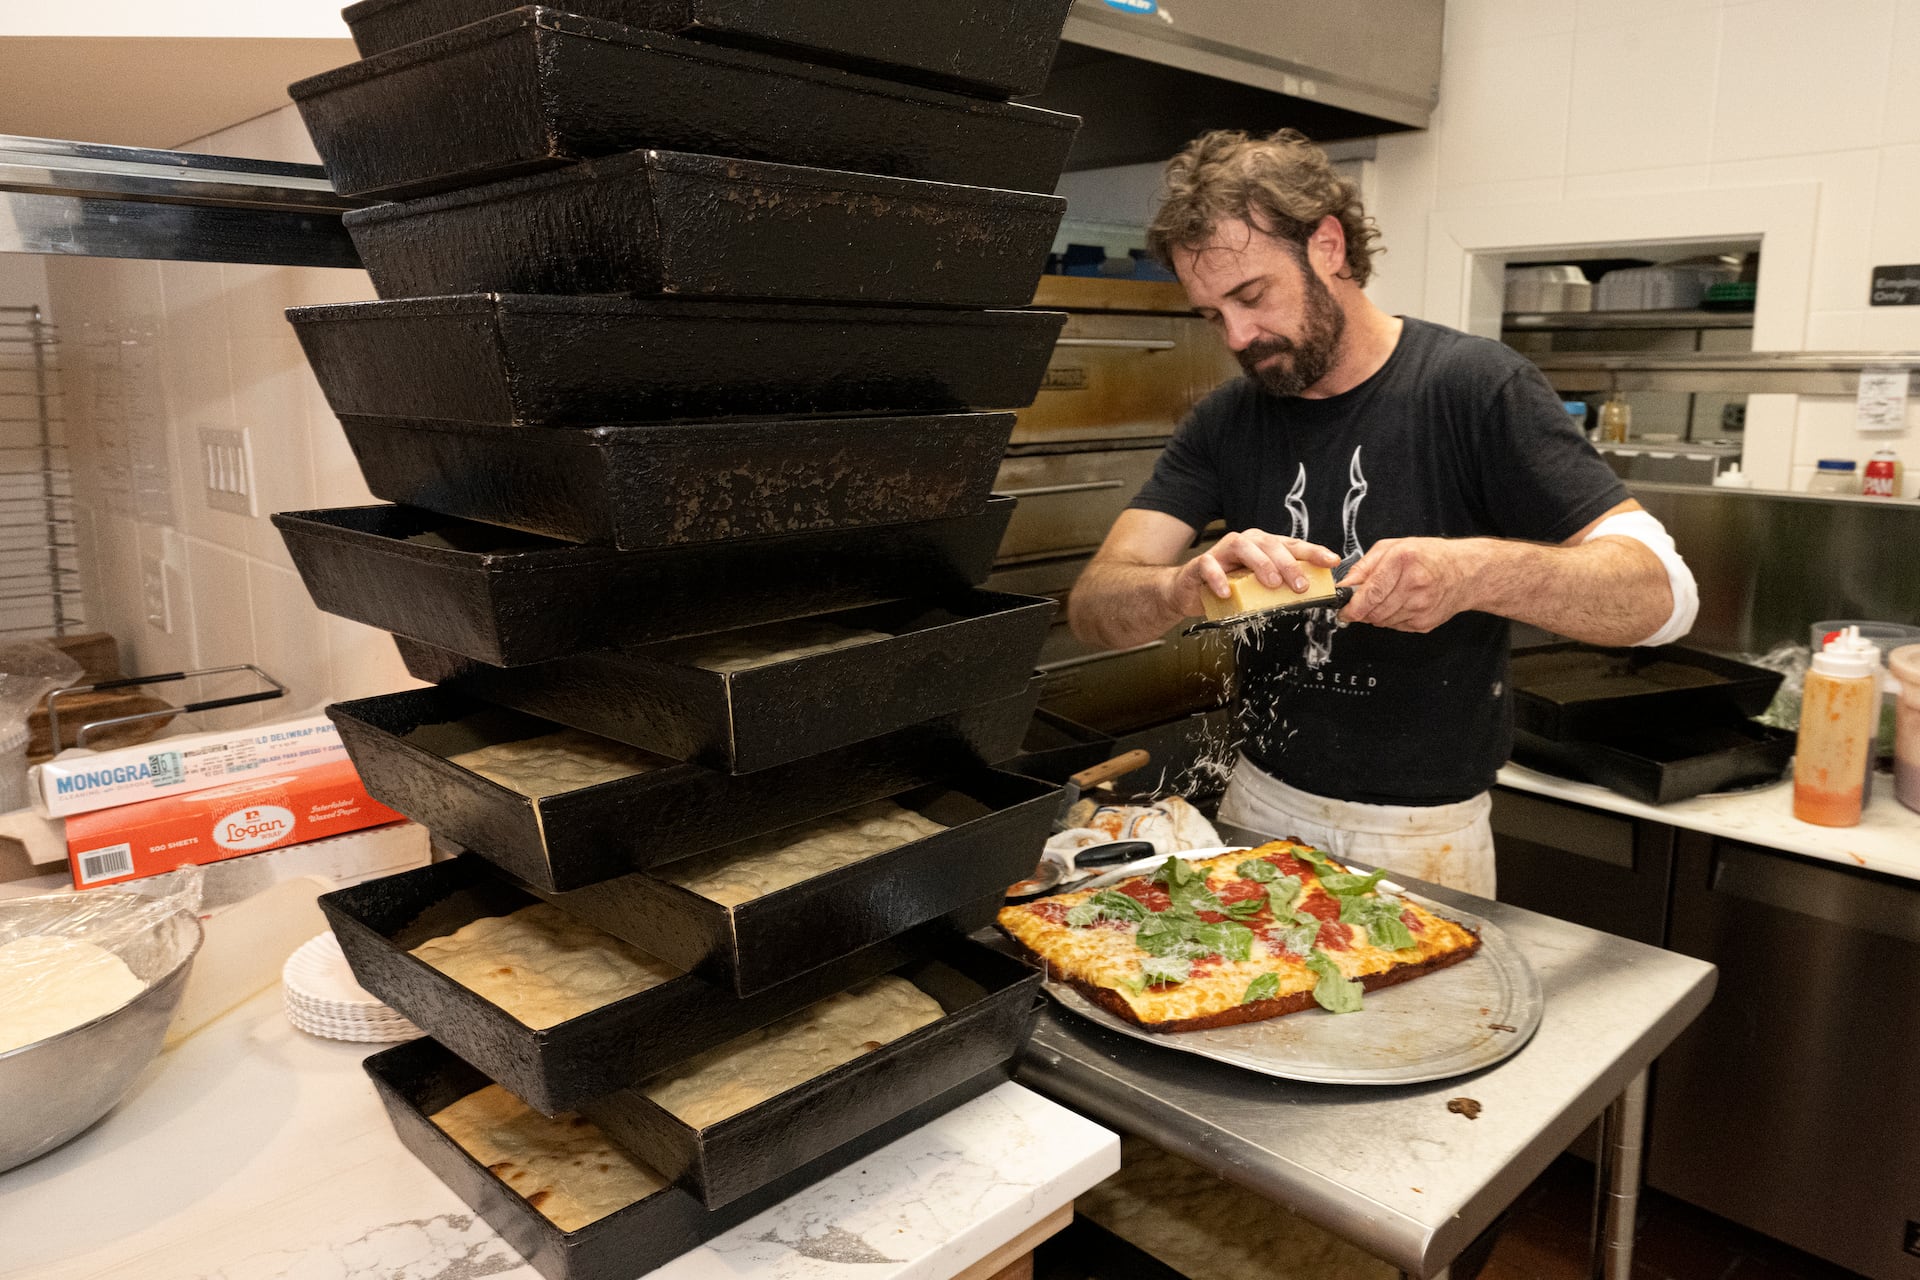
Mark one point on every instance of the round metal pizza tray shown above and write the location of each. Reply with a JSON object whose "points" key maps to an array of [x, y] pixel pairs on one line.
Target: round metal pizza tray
{"points": [[1446, 1023]]}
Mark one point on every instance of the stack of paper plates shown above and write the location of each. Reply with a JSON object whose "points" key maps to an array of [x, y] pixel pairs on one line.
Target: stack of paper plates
{"points": [[322, 998]]}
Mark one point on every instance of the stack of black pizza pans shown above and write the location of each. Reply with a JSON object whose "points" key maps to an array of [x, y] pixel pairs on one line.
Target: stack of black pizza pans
{"points": [[699, 335]]}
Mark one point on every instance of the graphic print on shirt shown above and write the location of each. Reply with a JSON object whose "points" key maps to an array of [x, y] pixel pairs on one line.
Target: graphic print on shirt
{"points": [[1323, 624]]}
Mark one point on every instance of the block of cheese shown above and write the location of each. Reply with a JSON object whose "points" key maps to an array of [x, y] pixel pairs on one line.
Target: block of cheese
{"points": [[1247, 594]]}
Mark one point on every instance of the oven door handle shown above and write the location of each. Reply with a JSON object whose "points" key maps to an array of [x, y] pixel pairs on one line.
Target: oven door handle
{"points": [[1084, 659], [1121, 344], [1049, 490]]}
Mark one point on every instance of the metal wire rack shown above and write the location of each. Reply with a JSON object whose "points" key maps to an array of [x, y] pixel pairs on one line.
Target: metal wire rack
{"points": [[39, 566]]}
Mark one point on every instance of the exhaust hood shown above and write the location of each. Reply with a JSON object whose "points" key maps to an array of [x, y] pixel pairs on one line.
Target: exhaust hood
{"points": [[1148, 75]]}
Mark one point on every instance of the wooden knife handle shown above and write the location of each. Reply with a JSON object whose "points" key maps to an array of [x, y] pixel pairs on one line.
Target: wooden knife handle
{"points": [[1119, 766]]}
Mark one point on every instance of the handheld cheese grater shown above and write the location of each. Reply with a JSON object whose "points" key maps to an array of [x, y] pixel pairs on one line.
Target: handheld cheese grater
{"points": [[1323, 592]]}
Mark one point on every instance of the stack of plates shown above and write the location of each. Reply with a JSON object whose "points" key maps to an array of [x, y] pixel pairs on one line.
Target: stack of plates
{"points": [[322, 999]]}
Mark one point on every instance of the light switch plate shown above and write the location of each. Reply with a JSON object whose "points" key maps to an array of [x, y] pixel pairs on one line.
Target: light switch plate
{"points": [[226, 464]]}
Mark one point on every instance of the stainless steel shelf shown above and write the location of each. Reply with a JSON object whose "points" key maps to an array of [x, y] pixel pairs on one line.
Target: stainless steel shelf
{"points": [[1553, 321], [132, 202], [1816, 373]]}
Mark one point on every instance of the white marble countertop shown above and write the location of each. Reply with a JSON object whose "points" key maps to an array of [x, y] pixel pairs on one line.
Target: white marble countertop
{"points": [[1887, 839], [254, 1152]]}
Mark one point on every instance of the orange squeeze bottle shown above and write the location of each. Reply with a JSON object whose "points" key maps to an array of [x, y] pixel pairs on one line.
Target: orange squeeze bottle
{"points": [[1839, 714]]}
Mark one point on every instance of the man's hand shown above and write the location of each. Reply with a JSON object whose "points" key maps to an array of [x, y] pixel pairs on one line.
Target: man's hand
{"points": [[1414, 584], [1273, 559]]}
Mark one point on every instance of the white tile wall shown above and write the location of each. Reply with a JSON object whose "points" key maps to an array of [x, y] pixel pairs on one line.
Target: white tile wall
{"points": [[1577, 100], [157, 351]]}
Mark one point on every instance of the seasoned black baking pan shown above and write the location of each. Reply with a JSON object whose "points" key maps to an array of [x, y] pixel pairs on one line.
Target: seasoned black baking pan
{"points": [[936, 657], [399, 742], [536, 88], [591, 361], [417, 1079], [996, 825], [1055, 748], [643, 487], [671, 222], [562, 1066], [1572, 690], [509, 598], [997, 48], [1660, 763], [990, 1004]]}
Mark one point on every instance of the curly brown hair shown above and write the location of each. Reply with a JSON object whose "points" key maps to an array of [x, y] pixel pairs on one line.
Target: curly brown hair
{"points": [[1281, 184]]}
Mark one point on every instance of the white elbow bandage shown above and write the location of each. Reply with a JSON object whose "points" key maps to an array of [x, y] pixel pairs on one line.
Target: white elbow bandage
{"points": [[1651, 534]]}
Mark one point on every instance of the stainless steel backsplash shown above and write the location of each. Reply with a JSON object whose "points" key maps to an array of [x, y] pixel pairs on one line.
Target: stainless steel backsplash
{"points": [[1770, 565]]}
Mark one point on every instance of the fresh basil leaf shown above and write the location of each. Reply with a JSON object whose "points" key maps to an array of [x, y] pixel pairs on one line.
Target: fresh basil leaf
{"points": [[1390, 932], [1344, 884], [1160, 932], [1257, 869], [1106, 905], [1234, 941], [1357, 910], [1334, 991], [1175, 872], [1284, 893], [1300, 938], [1313, 857], [1264, 987], [1165, 970], [1245, 907]]}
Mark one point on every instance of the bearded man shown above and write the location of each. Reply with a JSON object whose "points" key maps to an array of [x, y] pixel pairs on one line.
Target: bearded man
{"points": [[1445, 458]]}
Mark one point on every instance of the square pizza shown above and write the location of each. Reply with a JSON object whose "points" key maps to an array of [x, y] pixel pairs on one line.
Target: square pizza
{"points": [[1235, 938]]}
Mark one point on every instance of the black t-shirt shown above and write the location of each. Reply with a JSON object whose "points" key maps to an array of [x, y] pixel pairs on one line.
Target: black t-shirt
{"points": [[1454, 437]]}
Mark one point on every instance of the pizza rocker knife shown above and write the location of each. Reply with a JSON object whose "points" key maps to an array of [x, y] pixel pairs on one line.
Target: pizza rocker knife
{"points": [[1254, 602]]}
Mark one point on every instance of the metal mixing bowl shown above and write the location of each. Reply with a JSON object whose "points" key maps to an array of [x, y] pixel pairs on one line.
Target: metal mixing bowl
{"points": [[58, 1086]]}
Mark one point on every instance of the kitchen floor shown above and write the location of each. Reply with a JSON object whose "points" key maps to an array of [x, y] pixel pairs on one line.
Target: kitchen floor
{"points": [[1546, 1239]]}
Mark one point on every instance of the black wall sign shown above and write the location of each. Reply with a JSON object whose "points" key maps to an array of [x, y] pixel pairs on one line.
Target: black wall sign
{"points": [[1896, 286]]}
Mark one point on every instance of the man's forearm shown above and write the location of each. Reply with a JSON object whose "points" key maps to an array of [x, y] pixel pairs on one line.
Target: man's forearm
{"points": [[1119, 605], [1611, 591]]}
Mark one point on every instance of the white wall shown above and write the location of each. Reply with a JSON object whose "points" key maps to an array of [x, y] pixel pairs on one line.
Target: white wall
{"points": [[201, 18], [1552, 104], [153, 352]]}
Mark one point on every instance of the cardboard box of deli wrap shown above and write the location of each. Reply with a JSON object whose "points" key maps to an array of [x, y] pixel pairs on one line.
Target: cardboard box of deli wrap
{"points": [[83, 781], [144, 839]]}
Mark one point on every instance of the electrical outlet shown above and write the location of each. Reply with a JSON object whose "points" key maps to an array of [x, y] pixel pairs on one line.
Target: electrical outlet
{"points": [[159, 602], [227, 464]]}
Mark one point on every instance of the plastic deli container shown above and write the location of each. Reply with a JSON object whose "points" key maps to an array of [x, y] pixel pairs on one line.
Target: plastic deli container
{"points": [[1904, 665], [1835, 475]]}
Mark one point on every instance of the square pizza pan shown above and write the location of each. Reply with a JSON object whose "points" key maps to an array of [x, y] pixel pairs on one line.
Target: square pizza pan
{"points": [[1661, 763], [937, 657], [672, 222], [990, 1004], [400, 742], [640, 487], [996, 826], [591, 361], [563, 1066], [995, 48], [1581, 691], [508, 598], [417, 1079], [535, 88]]}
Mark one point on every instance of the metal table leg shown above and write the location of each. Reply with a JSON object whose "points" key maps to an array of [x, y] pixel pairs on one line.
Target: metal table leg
{"points": [[1616, 1182]]}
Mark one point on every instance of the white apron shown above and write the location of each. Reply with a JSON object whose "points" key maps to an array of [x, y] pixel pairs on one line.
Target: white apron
{"points": [[1446, 844]]}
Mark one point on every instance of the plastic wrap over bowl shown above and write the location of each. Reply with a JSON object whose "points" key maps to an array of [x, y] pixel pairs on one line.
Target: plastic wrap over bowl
{"points": [[56, 1087]]}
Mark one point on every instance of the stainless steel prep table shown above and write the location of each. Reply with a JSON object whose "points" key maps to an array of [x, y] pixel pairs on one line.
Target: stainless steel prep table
{"points": [[1391, 1169]]}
